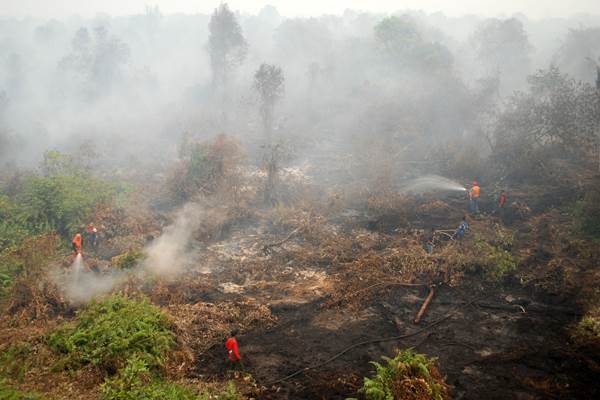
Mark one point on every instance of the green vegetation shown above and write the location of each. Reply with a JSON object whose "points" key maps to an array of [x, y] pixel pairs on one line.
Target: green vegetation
{"points": [[9, 393], [494, 259], [61, 203], [129, 259], [14, 361], [135, 381], [29, 257], [230, 393], [110, 332], [61, 200], [406, 373]]}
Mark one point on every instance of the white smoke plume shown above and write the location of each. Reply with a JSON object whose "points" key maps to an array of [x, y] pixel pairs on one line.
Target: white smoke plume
{"points": [[168, 254], [80, 284]]}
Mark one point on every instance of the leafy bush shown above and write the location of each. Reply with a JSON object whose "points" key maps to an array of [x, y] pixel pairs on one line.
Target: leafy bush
{"points": [[62, 203], [587, 214], [110, 332], [407, 376], [129, 259], [495, 261], [9, 393], [206, 167], [135, 381]]}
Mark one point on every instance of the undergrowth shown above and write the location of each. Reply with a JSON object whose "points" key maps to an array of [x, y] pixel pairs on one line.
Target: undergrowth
{"points": [[137, 381], [9, 393], [129, 259], [14, 361], [495, 259], [110, 332], [406, 376]]}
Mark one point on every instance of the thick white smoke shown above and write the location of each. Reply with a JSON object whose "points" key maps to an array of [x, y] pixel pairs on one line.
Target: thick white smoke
{"points": [[168, 255]]}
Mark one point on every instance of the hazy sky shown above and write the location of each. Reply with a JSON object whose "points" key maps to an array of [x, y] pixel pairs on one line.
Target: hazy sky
{"points": [[533, 8]]}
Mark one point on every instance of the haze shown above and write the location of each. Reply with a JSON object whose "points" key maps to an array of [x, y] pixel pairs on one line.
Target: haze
{"points": [[535, 9]]}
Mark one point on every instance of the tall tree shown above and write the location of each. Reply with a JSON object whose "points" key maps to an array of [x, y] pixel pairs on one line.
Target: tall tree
{"points": [[401, 42], [226, 44], [96, 60], [269, 83], [502, 47], [578, 53]]}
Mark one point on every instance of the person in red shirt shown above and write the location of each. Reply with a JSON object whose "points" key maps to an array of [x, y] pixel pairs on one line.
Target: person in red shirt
{"points": [[502, 201], [232, 349]]}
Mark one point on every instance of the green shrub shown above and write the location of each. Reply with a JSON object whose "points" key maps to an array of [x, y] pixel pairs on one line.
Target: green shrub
{"points": [[110, 332], [495, 261], [135, 381], [14, 361], [405, 373], [129, 259], [9, 393], [62, 203]]}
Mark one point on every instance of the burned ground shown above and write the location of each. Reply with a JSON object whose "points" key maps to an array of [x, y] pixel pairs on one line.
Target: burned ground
{"points": [[317, 295]]}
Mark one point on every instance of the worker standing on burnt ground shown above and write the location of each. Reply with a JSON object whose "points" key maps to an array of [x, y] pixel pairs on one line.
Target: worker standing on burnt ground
{"points": [[234, 361], [474, 195], [76, 244], [501, 203], [92, 236], [428, 239]]}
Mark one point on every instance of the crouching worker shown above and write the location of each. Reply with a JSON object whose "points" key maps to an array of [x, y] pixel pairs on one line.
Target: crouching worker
{"points": [[462, 229], [233, 356]]}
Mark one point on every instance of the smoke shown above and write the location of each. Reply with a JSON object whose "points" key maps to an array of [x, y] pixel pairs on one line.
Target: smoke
{"points": [[167, 257], [432, 183], [168, 254], [80, 285]]}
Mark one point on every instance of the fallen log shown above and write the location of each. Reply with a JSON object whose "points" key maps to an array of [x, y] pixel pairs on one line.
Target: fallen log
{"points": [[425, 304]]}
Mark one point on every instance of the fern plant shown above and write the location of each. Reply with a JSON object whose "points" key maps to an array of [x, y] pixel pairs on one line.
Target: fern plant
{"points": [[109, 332], [406, 369]]}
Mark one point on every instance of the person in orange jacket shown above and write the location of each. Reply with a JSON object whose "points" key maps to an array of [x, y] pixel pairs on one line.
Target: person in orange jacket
{"points": [[76, 244], [474, 195]]}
